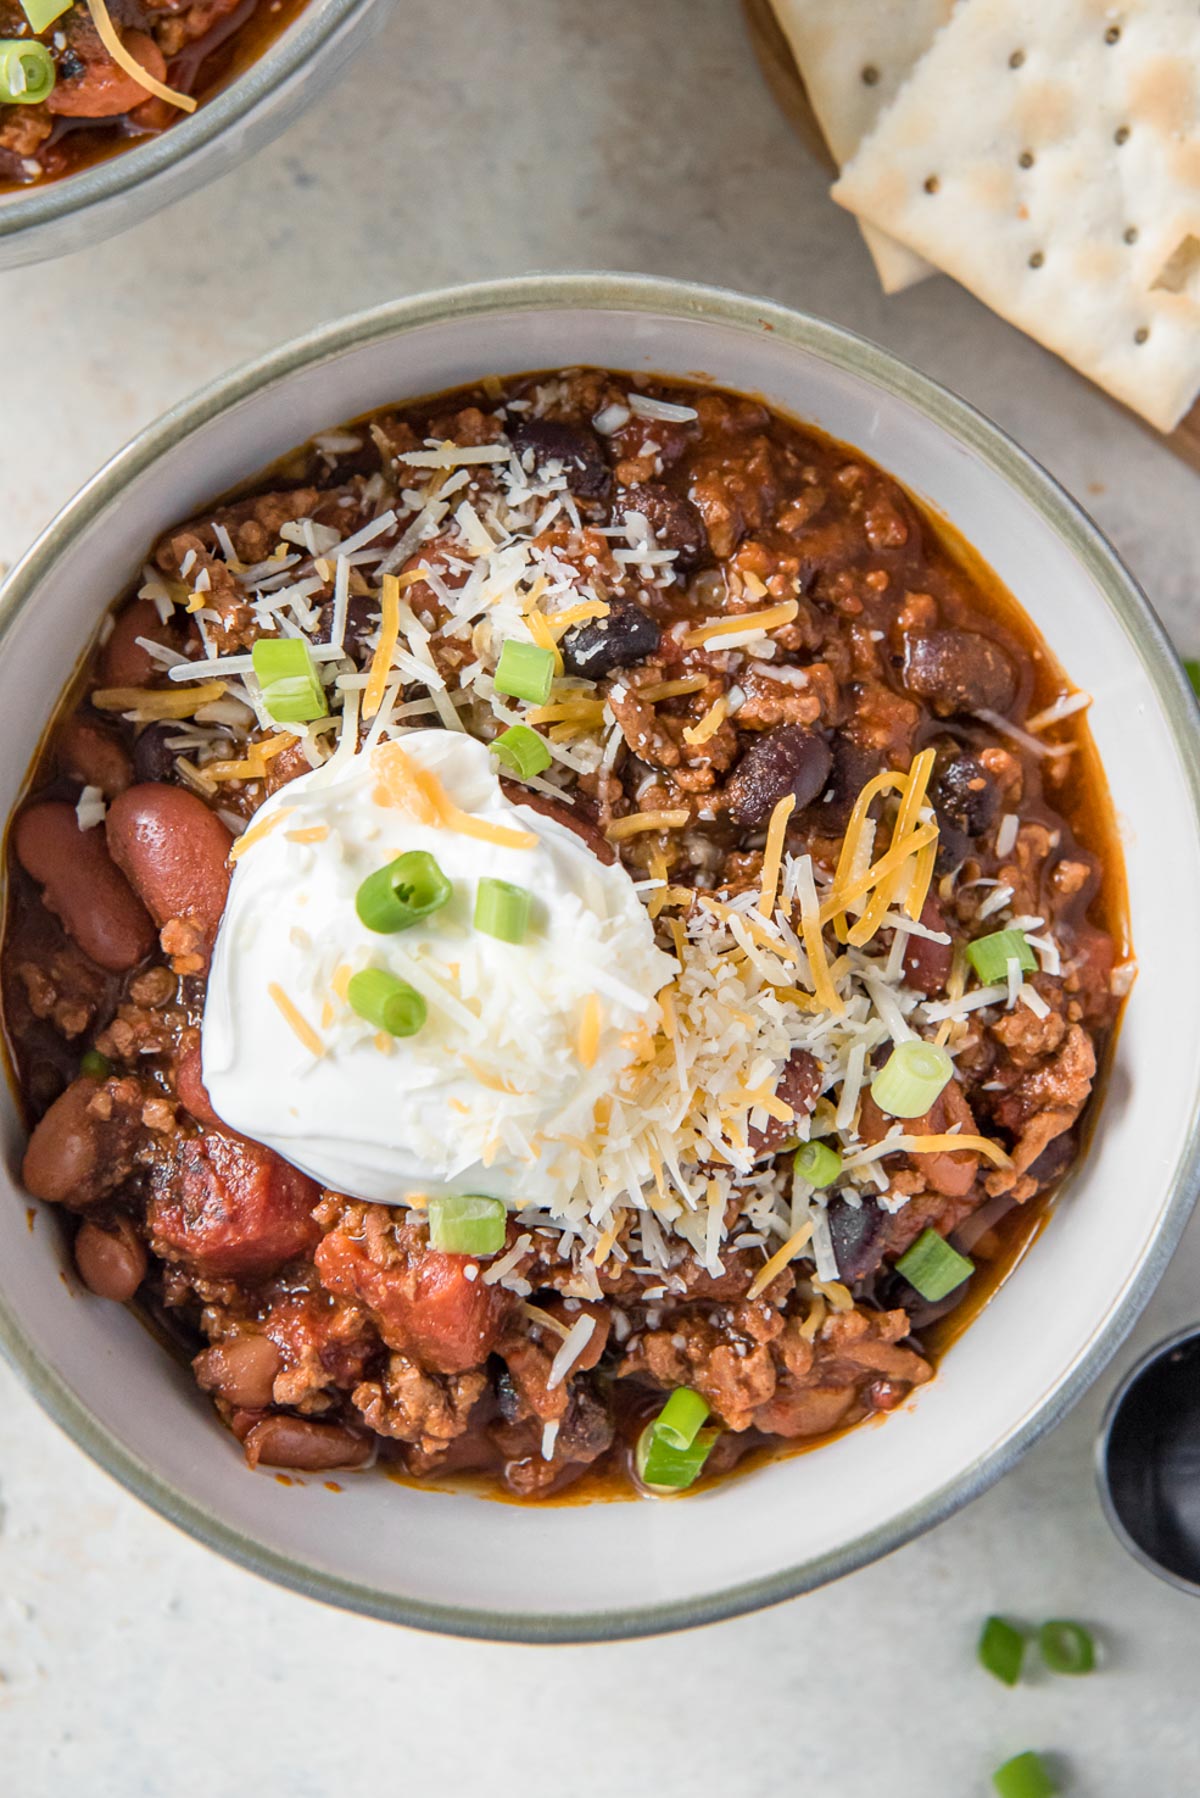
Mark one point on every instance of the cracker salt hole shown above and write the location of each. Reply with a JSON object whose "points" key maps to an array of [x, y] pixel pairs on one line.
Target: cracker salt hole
{"points": [[1037, 259], [1142, 334], [1025, 159], [1131, 235], [1016, 59], [1112, 35], [870, 76], [1121, 134], [931, 184]]}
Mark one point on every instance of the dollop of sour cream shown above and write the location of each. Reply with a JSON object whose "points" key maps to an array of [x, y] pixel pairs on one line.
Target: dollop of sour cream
{"points": [[521, 1041]]}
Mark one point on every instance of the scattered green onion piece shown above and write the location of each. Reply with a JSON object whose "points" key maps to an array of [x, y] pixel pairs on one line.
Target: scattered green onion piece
{"points": [[387, 1002], [990, 955], [914, 1075], [502, 910], [95, 1065], [400, 895], [291, 687], [525, 671], [521, 751], [1192, 670], [27, 72], [1001, 1650], [678, 1423], [932, 1267], [1024, 1776], [662, 1468], [1067, 1647], [465, 1224], [817, 1163], [41, 13]]}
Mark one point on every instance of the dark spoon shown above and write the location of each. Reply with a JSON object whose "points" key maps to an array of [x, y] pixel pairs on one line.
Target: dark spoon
{"points": [[1148, 1460]]}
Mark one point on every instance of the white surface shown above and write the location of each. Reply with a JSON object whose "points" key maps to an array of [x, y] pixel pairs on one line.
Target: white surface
{"points": [[136, 1663]]}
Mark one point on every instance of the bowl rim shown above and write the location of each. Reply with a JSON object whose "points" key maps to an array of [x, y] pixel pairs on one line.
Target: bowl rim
{"points": [[142, 163], [853, 354]]}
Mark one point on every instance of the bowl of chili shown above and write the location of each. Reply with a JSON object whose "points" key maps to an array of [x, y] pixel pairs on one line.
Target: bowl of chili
{"points": [[102, 124], [1073, 1282]]}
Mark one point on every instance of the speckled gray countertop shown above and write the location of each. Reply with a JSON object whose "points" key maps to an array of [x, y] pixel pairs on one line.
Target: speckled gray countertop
{"points": [[485, 139]]}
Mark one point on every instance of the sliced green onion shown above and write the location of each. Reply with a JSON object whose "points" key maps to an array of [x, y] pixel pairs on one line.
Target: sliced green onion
{"points": [[291, 687], [933, 1267], [679, 1421], [525, 670], [914, 1075], [465, 1224], [400, 895], [95, 1065], [1001, 1650], [502, 910], [1024, 1776], [27, 72], [1192, 670], [662, 1468], [521, 750], [990, 955], [1067, 1647], [41, 13], [386, 1001], [817, 1163]]}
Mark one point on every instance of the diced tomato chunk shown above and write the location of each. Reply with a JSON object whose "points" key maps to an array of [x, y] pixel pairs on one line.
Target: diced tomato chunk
{"points": [[229, 1206], [422, 1301]]}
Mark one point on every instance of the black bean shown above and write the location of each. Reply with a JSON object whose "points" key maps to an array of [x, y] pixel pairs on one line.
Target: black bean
{"points": [[626, 636], [966, 797], [853, 765], [788, 760], [857, 1234], [958, 671], [152, 760], [675, 521], [576, 447]]}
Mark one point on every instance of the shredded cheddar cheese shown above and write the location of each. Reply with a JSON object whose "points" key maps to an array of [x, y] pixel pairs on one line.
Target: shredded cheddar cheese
{"points": [[148, 703], [258, 831], [779, 1260], [773, 853], [768, 620], [640, 821], [296, 1019], [590, 1025], [381, 661]]}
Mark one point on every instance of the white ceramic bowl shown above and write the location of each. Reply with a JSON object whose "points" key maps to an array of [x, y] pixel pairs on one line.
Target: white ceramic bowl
{"points": [[456, 1562], [101, 201]]}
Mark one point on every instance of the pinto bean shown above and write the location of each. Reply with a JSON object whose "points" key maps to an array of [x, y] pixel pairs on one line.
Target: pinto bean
{"points": [[927, 964], [282, 1441], [112, 1262], [958, 671], [788, 760], [82, 887], [602, 645], [675, 521], [94, 756], [240, 1370], [174, 852], [576, 447], [123, 661]]}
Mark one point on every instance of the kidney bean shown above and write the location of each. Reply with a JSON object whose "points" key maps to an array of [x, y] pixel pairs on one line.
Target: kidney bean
{"points": [[958, 671], [123, 661], [240, 1370], [94, 756], [788, 760], [152, 760], [675, 521], [628, 635], [112, 1262], [75, 1155], [569, 816], [282, 1441], [576, 447], [798, 1086], [926, 965], [174, 852], [82, 887]]}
